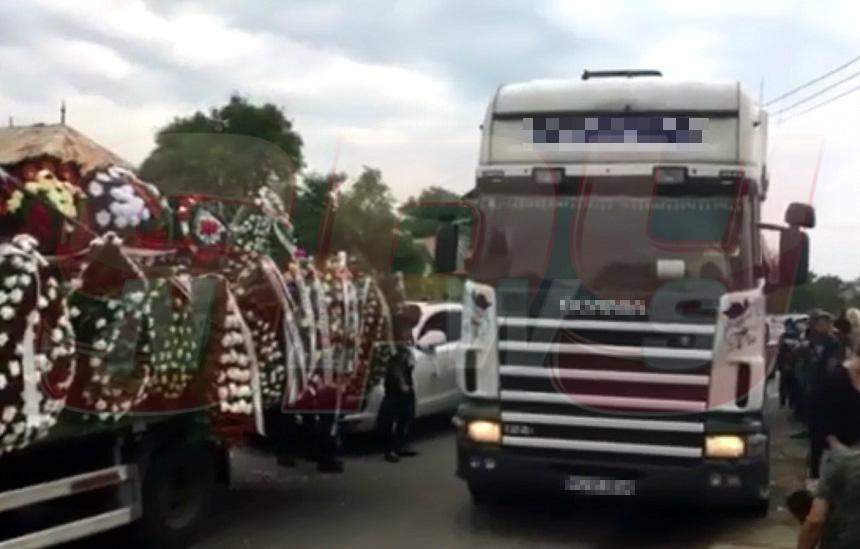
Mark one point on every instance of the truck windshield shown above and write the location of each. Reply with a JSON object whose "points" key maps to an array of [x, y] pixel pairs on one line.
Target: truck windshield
{"points": [[620, 236]]}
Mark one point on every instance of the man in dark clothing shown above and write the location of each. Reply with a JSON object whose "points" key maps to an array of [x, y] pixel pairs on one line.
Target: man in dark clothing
{"points": [[784, 364], [825, 355], [397, 411]]}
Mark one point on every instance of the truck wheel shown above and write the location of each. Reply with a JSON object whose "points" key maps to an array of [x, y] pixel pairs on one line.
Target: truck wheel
{"points": [[177, 495]]}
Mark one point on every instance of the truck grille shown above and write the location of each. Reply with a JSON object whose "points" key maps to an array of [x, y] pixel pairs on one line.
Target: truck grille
{"points": [[602, 387]]}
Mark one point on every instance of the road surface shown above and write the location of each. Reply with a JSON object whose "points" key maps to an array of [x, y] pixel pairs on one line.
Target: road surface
{"points": [[420, 503]]}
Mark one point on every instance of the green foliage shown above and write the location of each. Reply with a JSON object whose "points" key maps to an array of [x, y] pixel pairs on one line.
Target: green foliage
{"points": [[422, 215], [361, 220], [231, 152], [365, 221], [828, 292], [312, 200]]}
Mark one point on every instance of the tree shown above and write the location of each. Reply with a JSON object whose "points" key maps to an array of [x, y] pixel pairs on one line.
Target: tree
{"points": [[365, 220], [828, 292], [422, 215], [231, 152], [313, 199]]}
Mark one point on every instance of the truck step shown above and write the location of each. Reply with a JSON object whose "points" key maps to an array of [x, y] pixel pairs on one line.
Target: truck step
{"points": [[122, 477]]}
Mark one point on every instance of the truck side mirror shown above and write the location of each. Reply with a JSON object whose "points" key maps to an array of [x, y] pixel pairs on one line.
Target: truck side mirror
{"points": [[800, 215], [793, 257], [447, 238]]}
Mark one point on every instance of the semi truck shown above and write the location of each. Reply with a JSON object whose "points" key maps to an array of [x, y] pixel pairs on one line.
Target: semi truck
{"points": [[143, 337], [613, 336]]}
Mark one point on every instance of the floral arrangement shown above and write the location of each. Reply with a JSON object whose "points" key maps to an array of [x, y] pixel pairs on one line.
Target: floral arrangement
{"points": [[175, 336], [40, 201], [37, 345], [118, 201], [234, 381], [279, 330], [109, 309], [265, 228]]}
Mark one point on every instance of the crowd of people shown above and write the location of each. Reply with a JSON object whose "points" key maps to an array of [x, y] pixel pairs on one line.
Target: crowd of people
{"points": [[819, 367]]}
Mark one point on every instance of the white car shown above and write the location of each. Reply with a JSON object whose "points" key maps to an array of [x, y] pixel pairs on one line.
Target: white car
{"points": [[436, 335]]}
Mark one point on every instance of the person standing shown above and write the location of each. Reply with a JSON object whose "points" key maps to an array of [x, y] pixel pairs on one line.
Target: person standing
{"points": [[784, 364], [397, 411], [825, 356], [832, 518]]}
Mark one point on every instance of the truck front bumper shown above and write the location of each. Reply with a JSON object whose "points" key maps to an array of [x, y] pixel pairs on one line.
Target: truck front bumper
{"points": [[520, 469], [509, 468]]}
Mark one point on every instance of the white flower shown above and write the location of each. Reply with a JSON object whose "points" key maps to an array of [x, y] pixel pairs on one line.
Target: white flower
{"points": [[123, 193], [10, 281], [100, 345], [9, 413], [7, 313], [103, 218], [100, 323], [24, 280], [96, 188], [121, 222], [14, 368], [4, 338], [2, 382], [41, 302], [74, 312], [16, 295]]}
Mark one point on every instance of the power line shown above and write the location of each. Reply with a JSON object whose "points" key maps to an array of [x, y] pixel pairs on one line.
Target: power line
{"points": [[823, 103], [811, 82], [819, 92]]}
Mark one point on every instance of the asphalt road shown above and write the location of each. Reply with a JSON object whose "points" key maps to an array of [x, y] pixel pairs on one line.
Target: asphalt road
{"points": [[420, 503]]}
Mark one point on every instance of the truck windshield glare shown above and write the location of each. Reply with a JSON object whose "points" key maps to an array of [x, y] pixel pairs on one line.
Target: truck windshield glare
{"points": [[613, 233]]}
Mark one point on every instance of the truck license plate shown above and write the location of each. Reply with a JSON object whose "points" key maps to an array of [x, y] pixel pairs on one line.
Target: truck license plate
{"points": [[600, 486]]}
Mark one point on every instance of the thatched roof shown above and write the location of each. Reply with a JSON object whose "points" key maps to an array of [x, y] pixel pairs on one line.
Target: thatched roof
{"points": [[19, 143]]}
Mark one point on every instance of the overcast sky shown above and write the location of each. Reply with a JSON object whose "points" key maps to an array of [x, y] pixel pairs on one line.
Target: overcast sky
{"points": [[403, 86]]}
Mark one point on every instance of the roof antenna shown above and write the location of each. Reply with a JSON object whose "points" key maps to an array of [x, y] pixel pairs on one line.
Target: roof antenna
{"points": [[63, 112]]}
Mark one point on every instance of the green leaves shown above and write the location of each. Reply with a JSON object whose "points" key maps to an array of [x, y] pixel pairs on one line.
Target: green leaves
{"points": [[231, 152]]}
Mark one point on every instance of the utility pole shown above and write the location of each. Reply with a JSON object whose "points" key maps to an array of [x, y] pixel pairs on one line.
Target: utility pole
{"points": [[63, 112]]}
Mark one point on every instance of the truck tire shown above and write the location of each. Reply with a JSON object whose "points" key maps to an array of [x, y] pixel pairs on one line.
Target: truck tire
{"points": [[177, 495]]}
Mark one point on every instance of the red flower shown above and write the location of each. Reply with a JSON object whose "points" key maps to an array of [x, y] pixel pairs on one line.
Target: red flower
{"points": [[42, 222], [209, 227]]}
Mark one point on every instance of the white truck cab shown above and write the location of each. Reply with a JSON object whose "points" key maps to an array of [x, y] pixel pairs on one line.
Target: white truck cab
{"points": [[614, 313]]}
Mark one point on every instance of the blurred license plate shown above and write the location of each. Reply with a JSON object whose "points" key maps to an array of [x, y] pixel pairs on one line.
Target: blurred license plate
{"points": [[601, 486]]}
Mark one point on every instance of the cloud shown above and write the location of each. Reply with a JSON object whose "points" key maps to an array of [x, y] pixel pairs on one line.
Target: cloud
{"points": [[403, 86]]}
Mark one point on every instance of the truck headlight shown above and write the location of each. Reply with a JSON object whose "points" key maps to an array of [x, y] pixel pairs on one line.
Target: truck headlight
{"points": [[488, 432], [724, 446]]}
